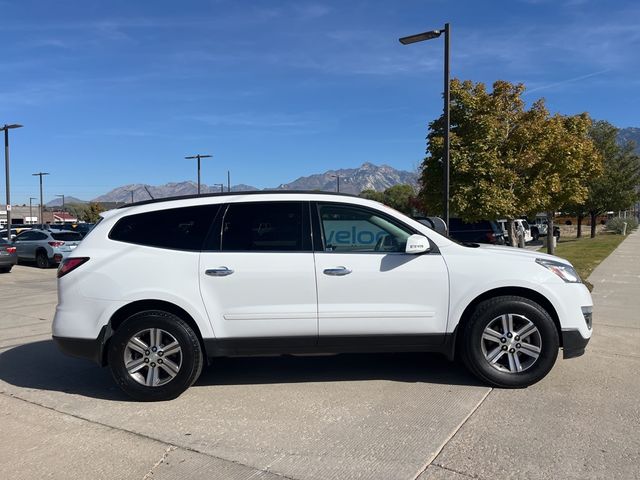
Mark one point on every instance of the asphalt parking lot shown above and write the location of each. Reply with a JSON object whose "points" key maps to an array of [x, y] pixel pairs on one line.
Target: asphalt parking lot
{"points": [[401, 416]]}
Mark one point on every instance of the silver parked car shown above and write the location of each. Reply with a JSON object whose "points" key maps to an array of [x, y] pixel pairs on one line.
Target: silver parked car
{"points": [[45, 247]]}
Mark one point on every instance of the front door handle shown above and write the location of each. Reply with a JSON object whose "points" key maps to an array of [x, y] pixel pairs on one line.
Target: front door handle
{"points": [[218, 272], [337, 272]]}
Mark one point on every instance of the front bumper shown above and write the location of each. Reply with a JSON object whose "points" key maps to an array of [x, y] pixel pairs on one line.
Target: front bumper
{"points": [[91, 349], [573, 343]]}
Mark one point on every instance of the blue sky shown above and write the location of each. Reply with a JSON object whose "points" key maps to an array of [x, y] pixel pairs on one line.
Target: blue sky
{"points": [[117, 92]]}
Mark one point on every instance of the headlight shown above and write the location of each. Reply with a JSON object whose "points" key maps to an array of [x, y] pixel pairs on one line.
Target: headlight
{"points": [[564, 271]]}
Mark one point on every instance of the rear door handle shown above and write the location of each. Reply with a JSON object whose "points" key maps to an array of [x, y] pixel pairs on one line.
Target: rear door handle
{"points": [[218, 272], [337, 272]]}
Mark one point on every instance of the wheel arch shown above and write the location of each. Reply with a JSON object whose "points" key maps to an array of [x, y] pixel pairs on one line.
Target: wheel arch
{"points": [[504, 291], [124, 312]]}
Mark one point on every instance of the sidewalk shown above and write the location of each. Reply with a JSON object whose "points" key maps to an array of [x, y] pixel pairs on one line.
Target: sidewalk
{"points": [[583, 420]]}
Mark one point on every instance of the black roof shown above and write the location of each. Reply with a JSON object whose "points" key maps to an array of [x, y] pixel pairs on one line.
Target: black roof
{"points": [[231, 194]]}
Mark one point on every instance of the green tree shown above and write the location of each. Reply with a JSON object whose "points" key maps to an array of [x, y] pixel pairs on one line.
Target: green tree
{"points": [[401, 197], [505, 160], [616, 188], [92, 213], [372, 195]]}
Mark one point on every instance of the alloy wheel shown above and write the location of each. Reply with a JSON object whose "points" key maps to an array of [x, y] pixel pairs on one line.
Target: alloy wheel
{"points": [[153, 357], [511, 343]]}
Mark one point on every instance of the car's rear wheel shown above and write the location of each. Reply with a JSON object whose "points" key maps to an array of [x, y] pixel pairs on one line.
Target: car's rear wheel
{"points": [[42, 260], [510, 342], [155, 355]]}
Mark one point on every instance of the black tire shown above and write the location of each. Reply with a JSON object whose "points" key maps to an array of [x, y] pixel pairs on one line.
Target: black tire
{"points": [[42, 260], [5, 269], [522, 309], [191, 360]]}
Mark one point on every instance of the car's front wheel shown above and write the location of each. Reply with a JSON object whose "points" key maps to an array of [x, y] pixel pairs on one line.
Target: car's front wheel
{"points": [[155, 355], [510, 342]]}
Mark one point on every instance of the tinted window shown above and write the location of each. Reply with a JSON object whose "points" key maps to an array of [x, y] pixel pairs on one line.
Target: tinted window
{"points": [[176, 228], [67, 236], [265, 226], [356, 229], [30, 235]]}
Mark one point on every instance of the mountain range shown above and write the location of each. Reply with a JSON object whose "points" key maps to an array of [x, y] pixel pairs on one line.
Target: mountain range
{"points": [[630, 134], [352, 180]]}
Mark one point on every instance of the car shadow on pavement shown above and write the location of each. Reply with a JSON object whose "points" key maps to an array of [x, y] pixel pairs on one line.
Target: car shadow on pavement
{"points": [[40, 366], [398, 367]]}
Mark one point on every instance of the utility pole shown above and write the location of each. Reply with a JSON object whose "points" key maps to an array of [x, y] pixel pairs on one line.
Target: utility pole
{"points": [[131, 192], [6, 129], [228, 181], [31, 208], [41, 174], [198, 156], [62, 204]]}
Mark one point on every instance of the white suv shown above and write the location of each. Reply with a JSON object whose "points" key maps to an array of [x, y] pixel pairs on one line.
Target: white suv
{"points": [[159, 287]]}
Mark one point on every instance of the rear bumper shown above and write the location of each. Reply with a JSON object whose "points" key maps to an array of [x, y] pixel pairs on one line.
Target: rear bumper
{"points": [[573, 343], [91, 349], [8, 260]]}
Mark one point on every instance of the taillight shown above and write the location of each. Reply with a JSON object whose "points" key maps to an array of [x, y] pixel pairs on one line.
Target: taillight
{"points": [[70, 264], [11, 249], [491, 237], [56, 244]]}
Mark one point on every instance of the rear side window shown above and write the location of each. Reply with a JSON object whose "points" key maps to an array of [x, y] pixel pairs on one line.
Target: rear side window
{"points": [[266, 226], [175, 228], [67, 236]]}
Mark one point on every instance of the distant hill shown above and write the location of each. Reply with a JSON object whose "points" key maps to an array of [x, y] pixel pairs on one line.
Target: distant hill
{"points": [[57, 202], [352, 180], [630, 133]]}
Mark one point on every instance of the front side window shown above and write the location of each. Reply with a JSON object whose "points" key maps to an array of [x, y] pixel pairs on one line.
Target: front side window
{"points": [[175, 228], [357, 229], [265, 226]]}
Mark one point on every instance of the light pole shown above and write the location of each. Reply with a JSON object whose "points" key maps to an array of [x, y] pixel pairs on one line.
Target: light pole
{"points": [[131, 192], [198, 156], [337, 177], [6, 129], [420, 37], [228, 181], [40, 174], [31, 208], [62, 203]]}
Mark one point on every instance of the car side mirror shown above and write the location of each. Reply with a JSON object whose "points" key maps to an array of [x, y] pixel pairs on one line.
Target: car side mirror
{"points": [[417, 244]]}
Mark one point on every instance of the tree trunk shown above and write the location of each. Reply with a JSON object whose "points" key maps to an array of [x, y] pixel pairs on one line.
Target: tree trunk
{"points": [[580, 219], [593, 224], [550, 238], [511, 231]]}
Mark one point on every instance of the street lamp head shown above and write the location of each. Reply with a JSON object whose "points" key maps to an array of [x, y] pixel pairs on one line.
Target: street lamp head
{"points": [[198, 156], [421, 37], [9, 127]]}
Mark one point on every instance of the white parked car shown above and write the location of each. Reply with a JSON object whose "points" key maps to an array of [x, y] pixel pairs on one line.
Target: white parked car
{"points": [[159, 287], [522, 228]]}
